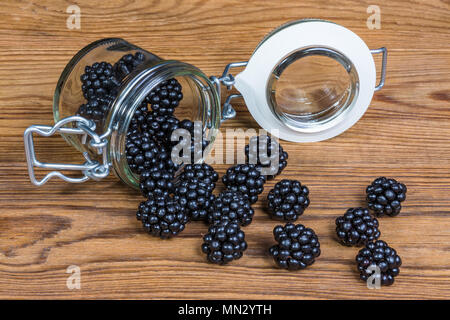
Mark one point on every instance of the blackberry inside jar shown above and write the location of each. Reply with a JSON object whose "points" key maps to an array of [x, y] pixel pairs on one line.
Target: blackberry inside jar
{"points": [[136, 101]]}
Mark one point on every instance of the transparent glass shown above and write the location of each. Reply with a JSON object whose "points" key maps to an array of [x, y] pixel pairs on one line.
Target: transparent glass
{"points": [[312, 87], [200, 98]]}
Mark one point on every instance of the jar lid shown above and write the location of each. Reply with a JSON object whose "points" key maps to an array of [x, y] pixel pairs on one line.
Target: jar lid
{"points": [[308, 80]]}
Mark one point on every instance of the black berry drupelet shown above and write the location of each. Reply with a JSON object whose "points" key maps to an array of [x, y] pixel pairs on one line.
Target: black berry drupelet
{"points": [[165, 97], [385, 195], [297, 246], [196, 197], [231, 206], [246, 179], [203, 172], [162, 216], [224, 242], [127, 64], [98, 80], [156, 182], [379, 255], [357, 227], [261, 151], [288, 200]]}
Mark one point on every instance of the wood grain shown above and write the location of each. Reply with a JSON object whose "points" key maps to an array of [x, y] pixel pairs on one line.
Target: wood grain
{"points": [[405, 134]]}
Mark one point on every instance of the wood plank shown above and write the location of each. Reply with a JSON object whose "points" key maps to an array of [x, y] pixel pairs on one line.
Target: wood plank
{"points": [[405, 134]]}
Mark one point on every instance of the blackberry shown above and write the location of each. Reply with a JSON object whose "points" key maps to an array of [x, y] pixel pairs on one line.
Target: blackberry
{"points": [[144, 153], [127, 64], [245, 178], [165, 97], [224, 242], [264, 155], [357, 227], [162, 216], [297, 246], [155, 182], [160, 127], [231, 206], [98, 80], [96, 109], [385, 195], [288, 200], [202, 171], [196, 197], [379, 255]]}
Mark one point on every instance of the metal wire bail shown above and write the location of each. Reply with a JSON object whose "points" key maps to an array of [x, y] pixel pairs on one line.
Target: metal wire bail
{"points": [[91, 169]]}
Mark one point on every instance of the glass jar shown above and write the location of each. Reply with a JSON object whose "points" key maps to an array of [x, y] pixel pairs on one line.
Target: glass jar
{"points": [[307, 80]]}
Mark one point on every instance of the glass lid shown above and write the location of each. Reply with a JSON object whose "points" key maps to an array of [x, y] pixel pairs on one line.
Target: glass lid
{"points": [[308, 80]]}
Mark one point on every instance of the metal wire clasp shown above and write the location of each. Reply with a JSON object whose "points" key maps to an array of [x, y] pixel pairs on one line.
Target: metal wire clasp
{"points": [[382, 50], [227, 80], [90, 169]]}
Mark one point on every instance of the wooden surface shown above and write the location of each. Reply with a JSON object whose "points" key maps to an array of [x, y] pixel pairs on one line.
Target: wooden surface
{"points": [[405, 134]]}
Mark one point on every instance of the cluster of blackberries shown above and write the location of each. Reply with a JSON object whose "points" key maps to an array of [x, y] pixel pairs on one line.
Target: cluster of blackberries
{"points": [[297, 246], [287, 200], [357, 228], [377, 257], [246, 179], [162, 216], [191, 194], [385, 195], [267, 154], [98, 80], [224, 242], [165, 97]]}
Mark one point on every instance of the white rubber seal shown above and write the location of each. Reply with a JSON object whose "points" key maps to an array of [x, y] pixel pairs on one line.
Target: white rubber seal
{"points": [[252, 82]]}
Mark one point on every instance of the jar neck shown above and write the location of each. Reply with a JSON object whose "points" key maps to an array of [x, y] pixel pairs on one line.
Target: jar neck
{"points": [[206, 108]]}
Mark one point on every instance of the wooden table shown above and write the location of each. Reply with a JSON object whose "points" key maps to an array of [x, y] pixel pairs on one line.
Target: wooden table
{"points": [[405, 134]]}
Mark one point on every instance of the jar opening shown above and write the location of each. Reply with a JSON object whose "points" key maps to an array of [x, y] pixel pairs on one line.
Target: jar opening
{"points": [[311, 87]]}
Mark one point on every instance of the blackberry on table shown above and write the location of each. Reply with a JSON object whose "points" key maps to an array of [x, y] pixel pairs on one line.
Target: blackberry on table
{"points": [[231, 206], [384, 196], [296, 248], [357, 227], [196, 197], [98, 80], [261, 151], [288, 200], [162, 216], [202, 171], [165, 97], [246, 179], [224, 242], [127, 64], [379, 255], [155, 182]]}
